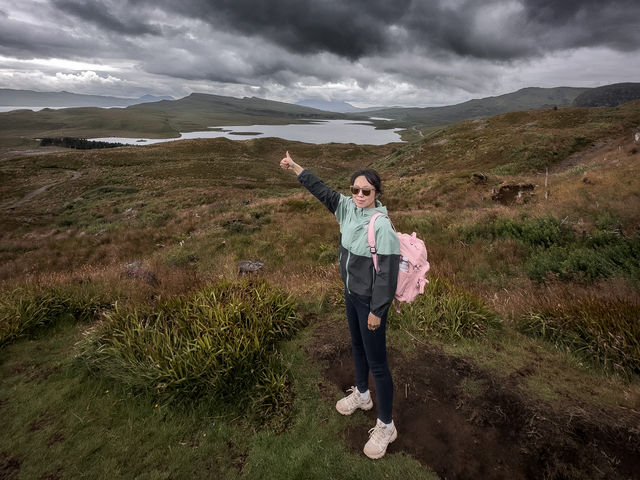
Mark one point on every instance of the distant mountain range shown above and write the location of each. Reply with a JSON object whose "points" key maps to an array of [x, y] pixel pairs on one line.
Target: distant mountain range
{"points": [[153, 116], [199, 110], [205, 103], [525, 99], [161, 119], [30, 98], [335, 106], [608, 95]]}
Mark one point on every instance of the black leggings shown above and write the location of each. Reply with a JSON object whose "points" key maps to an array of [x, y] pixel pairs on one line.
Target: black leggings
{"points": [[370, 353]]}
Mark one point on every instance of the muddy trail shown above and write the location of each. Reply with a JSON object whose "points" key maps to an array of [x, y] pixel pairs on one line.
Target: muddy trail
{"points": [[494, 433]]}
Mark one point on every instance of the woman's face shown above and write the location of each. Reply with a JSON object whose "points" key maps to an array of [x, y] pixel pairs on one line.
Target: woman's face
{"points": [[361, 186]]}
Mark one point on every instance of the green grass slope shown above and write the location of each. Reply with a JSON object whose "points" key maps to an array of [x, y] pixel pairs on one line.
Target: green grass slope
{"points": [[524, 99], [608, 95], [542, 292]]}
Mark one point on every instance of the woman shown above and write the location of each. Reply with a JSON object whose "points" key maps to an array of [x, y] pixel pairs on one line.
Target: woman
{"points": [[368, 294]]}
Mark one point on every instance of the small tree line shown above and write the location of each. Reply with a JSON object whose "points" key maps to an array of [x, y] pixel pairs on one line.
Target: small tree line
{"points": [[79, 143]]}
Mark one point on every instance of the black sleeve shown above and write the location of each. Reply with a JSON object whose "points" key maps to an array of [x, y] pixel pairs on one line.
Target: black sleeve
{"points": [[384, 288], [329, 197]]}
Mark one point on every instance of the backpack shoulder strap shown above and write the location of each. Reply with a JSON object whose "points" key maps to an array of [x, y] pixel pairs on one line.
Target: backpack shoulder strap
{"points": [[371, 239]]}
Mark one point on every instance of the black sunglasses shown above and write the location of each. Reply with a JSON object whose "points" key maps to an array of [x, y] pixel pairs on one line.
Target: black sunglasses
{"points": [[365, 191]]}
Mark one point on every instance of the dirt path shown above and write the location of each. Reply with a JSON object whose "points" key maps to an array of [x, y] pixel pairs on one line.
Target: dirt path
{"points": [[495, 433], [74, 175]]}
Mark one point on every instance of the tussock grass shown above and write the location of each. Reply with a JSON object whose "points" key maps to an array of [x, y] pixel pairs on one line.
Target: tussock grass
{"points": [[552, 248], [24, 310], [605, 331], [446, 311], [220, 341]]}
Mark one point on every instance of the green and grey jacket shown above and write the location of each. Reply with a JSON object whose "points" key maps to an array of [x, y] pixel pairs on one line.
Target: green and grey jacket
{"points": [[356, 264]]}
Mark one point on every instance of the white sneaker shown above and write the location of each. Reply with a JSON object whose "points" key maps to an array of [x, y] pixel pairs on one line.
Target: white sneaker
{"points": [[350, 403], [380, 437]]}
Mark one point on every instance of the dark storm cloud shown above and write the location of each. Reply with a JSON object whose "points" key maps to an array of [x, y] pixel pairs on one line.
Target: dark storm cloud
{"points": [[21, 40], [348, 29], [360, 28], [418, 50], [586, 23], [106, 16], [505, 31], [494, 30]]}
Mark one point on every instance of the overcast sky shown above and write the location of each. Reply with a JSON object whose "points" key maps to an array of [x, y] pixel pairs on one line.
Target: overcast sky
{"points": [[366, 52]]}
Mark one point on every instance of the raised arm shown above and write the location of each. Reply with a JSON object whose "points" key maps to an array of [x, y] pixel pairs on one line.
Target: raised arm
{"points": [[329, 197]]}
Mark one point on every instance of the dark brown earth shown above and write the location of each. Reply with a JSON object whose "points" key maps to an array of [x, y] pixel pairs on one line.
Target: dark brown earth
{"points": [[9, 466], [494, 433]]}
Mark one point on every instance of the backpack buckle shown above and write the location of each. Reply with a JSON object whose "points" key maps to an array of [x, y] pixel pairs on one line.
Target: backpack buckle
{"points": [[373, 250]]}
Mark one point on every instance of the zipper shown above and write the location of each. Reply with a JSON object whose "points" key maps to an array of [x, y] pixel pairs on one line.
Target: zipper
{"points": [[347, 270]]}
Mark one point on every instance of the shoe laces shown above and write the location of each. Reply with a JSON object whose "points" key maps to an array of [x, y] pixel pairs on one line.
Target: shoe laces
{"points": [[354, 398], [379, 435]]}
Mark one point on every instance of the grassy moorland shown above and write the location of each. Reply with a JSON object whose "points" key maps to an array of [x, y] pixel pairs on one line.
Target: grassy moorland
{"points": [[178, 368], [164, 119]]}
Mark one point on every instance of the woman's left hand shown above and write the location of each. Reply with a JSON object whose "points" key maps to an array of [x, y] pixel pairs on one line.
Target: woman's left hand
{"points": [[373, 322]]}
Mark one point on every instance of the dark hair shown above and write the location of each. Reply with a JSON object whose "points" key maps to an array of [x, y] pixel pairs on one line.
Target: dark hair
{"points": [[372, 177]]}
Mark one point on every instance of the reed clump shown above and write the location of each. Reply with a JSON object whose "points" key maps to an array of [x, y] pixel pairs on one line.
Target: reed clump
{"points": [[446, 311], [220, 342], [26, 309], [604, 331]]}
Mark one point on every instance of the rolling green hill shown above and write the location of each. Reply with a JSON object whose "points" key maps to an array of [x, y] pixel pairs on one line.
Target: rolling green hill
{"points": [[524, 99], [30, 98], [608, 95], [200, 110], [164, 119]]}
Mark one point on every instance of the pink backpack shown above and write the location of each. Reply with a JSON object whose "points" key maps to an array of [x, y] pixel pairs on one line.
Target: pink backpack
{"points": [[413, 263]]}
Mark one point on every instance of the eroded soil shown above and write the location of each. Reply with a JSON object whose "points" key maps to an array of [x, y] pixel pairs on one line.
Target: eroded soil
{"points": [[464, 423]]}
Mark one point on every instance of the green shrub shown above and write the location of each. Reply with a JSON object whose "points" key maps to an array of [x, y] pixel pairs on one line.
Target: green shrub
{"points": [[604, 331], [543, 262], [482, 230], [23, 310], [599, 256], [607, 221], [552, 248], [446, 311], [539, 231], [219, 342]]}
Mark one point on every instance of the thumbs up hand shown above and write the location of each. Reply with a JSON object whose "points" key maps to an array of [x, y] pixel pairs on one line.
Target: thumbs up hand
{"points": [[287, 163]]}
